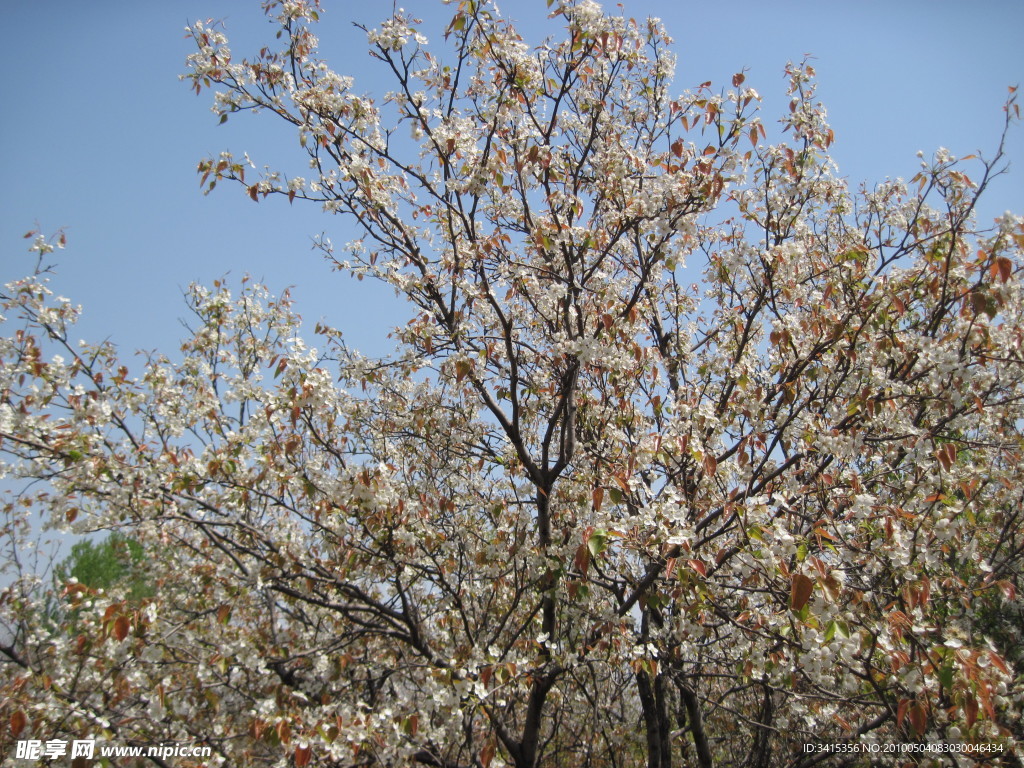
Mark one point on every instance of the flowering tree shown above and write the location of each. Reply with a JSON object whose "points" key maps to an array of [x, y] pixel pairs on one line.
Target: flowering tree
{"points": [[690, 455]]}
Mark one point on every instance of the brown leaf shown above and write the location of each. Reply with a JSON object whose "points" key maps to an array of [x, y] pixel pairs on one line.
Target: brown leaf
{"points": [[121, 627], [918, 718], [800, 591], [598, 497], [582, 560], [998, 661], [971, 710], [901, 712], [1005, 267], [284, 731], [1009, 591], [946, 454], [487, 754], [302, 756], [18, 722], [710, 464], [978, 302]]}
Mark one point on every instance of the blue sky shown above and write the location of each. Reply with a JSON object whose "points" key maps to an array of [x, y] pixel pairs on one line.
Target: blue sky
{"points": [[99, 136]]}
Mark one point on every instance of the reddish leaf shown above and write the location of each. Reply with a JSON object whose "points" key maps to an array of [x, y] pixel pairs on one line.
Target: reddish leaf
{"points": [[284, 731], [487, 754], [997, 660], [800, 591], [1005, 267], [946, 455], [971, 711], [121, 627], [302, 756], [819, 531], [582, 560], [18, 721], [985, 692], [698, 566], [1009, 591], [737, 79], [978, 302], [925, 591], [254, 193], [710, 464], [918, 718], [598, 497], [901, 712]]}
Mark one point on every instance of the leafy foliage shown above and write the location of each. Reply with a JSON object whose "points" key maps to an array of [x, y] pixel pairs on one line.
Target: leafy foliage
{"points": [[684, 433], [114, 561]]}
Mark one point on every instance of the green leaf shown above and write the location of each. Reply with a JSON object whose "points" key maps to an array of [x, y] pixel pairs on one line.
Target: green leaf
{"points": [[597, 542], [840, 628], [945, 674]]}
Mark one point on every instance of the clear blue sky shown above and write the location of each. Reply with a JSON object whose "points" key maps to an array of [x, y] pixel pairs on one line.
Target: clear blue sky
{"points": [[98, 135]]}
